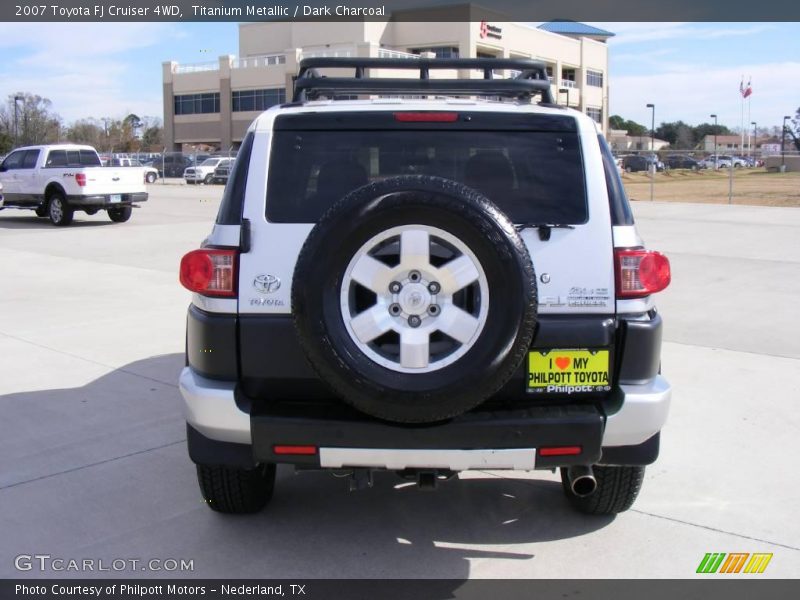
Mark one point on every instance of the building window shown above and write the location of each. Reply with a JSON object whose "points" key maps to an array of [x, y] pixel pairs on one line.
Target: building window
{"points": [[595, 113], [244, 100], [439, 51], [594, 78], [192, 104]]}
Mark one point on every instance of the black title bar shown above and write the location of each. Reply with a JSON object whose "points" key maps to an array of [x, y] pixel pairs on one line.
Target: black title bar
{"points": [[399, 10]]}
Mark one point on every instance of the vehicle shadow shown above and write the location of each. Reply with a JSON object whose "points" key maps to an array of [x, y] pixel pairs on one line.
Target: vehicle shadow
{"points": [[21, 220], [111, 457]]}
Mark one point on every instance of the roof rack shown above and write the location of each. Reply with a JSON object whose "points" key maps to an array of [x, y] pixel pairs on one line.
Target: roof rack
{"points": [[532, 79]]}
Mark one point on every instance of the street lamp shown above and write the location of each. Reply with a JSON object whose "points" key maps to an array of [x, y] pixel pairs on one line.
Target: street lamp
{"points": [[564, 91], [16, 125], [653, 165], [754, 142], [715, 139], [783, 142]]}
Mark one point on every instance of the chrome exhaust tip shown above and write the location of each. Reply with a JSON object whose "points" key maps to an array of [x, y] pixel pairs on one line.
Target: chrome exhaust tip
{"points": [[581, 481]]}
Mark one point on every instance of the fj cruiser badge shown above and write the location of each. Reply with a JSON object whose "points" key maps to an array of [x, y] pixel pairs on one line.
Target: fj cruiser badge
{"points": [[266, 284]]}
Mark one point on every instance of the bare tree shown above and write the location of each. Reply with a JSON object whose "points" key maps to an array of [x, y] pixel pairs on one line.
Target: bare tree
{"points": [[29, 119]]}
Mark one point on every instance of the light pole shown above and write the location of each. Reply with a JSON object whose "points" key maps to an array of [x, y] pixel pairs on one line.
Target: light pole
{"points": [[653, 167], [783, 143], [564, 91], [754, 142], [16, 124], [715, 139]]}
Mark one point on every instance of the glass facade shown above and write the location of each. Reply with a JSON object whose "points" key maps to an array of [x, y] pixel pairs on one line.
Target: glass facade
{"points": [[594, 78], [192, 104], [244, 100]]}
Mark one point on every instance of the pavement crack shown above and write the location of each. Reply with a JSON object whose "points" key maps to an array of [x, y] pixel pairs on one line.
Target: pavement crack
{"points": [[672, 519], [715, 529], [89, 360], [94, 464], [677, 343]]}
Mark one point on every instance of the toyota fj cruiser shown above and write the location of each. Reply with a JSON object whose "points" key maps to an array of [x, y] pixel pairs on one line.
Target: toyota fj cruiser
{"points": [[440, 276]]}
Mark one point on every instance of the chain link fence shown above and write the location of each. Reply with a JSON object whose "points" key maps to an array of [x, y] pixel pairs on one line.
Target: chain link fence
{"points": [[692, 176]]}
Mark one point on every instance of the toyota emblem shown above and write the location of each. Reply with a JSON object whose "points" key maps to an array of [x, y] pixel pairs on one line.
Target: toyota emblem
{"points": [[266, 284]]}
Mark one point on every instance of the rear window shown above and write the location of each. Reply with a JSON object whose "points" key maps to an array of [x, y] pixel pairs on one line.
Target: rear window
{"points": [[533, 176], [72, 158]]}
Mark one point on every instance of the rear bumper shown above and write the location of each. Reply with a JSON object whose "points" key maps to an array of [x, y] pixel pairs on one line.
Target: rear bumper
{"points": [[343, 437], [104, 200]]}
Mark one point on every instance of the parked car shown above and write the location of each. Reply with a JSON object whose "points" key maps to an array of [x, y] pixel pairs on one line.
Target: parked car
{"points": [[380, 294], [203, 172], [681, 161], [173, 164], [222, 171], [150, 173], [57, 180], [640, 162], [737, 161]]}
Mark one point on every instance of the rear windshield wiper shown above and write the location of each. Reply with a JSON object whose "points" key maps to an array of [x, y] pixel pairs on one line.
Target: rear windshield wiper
{"points": [[544, 228]]}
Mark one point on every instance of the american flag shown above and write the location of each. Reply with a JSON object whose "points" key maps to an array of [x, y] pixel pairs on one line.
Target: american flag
{"points": [[745, 91]]}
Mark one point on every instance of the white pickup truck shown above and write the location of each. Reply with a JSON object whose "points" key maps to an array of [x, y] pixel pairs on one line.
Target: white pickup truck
{"points": [[59, 179]]}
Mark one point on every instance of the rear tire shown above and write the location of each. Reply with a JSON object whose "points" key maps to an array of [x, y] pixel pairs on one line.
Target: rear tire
{"points": [[120, 215], [150, 178], [57, 209], [236, 491], [617, 489]]}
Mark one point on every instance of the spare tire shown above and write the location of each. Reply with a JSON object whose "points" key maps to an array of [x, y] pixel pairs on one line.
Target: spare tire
{"points": [[414, 298]]}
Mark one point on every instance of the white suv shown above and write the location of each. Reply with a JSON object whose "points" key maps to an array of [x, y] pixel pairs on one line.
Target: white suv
{"points": [[423, 286]]}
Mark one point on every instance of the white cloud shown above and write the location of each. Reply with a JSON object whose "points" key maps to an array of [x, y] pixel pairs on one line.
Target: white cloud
{"points": [[83, 68], [636, 33], [692, 92]]}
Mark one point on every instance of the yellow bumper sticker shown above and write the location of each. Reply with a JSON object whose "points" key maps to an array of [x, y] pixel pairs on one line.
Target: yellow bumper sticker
{"points": [[568, 371]]}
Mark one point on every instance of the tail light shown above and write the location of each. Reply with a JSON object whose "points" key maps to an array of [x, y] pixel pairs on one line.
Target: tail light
{"points": [[426, 117], [640, 272], [210, 272], [80, 179], [295, 450]]}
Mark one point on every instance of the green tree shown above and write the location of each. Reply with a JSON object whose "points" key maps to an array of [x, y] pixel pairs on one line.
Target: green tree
{"points": [[6, 142], [633, 128]]}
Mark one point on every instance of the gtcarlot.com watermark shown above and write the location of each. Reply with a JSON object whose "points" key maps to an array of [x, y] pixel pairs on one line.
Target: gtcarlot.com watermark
{"points": [[45, 563]]}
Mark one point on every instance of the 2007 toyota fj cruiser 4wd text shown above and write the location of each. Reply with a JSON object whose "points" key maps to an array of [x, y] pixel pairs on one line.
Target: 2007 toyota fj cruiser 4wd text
{"points": [[425, 286]]}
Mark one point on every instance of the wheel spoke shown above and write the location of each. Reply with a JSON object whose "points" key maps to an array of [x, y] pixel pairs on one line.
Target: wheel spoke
{"points": [[414, 348], [372, 274], [457, 274], [371, 323], [415, 249], [457, 323]]}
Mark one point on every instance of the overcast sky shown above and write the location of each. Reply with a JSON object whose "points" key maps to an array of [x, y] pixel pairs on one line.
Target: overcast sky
{"points": [[688, 70]]}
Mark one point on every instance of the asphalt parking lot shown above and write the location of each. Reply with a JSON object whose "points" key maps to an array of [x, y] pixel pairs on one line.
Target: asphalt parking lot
{"points": [[93, 462]]}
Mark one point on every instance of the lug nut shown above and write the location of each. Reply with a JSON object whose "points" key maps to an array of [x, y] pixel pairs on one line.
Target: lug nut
{"points": [[433, 310], [414, 321], [395, 287], [434, 288], [414, 276], [394, 309]]}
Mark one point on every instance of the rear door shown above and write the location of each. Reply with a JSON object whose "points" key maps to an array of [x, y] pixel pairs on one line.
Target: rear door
{"points": [[540, 169]]}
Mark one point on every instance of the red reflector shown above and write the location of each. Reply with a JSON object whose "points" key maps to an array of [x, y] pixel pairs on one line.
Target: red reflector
{"points": [[80, 179], [426, 117], [560, 451], [299, 450], [210, 272], [641, 272]]}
